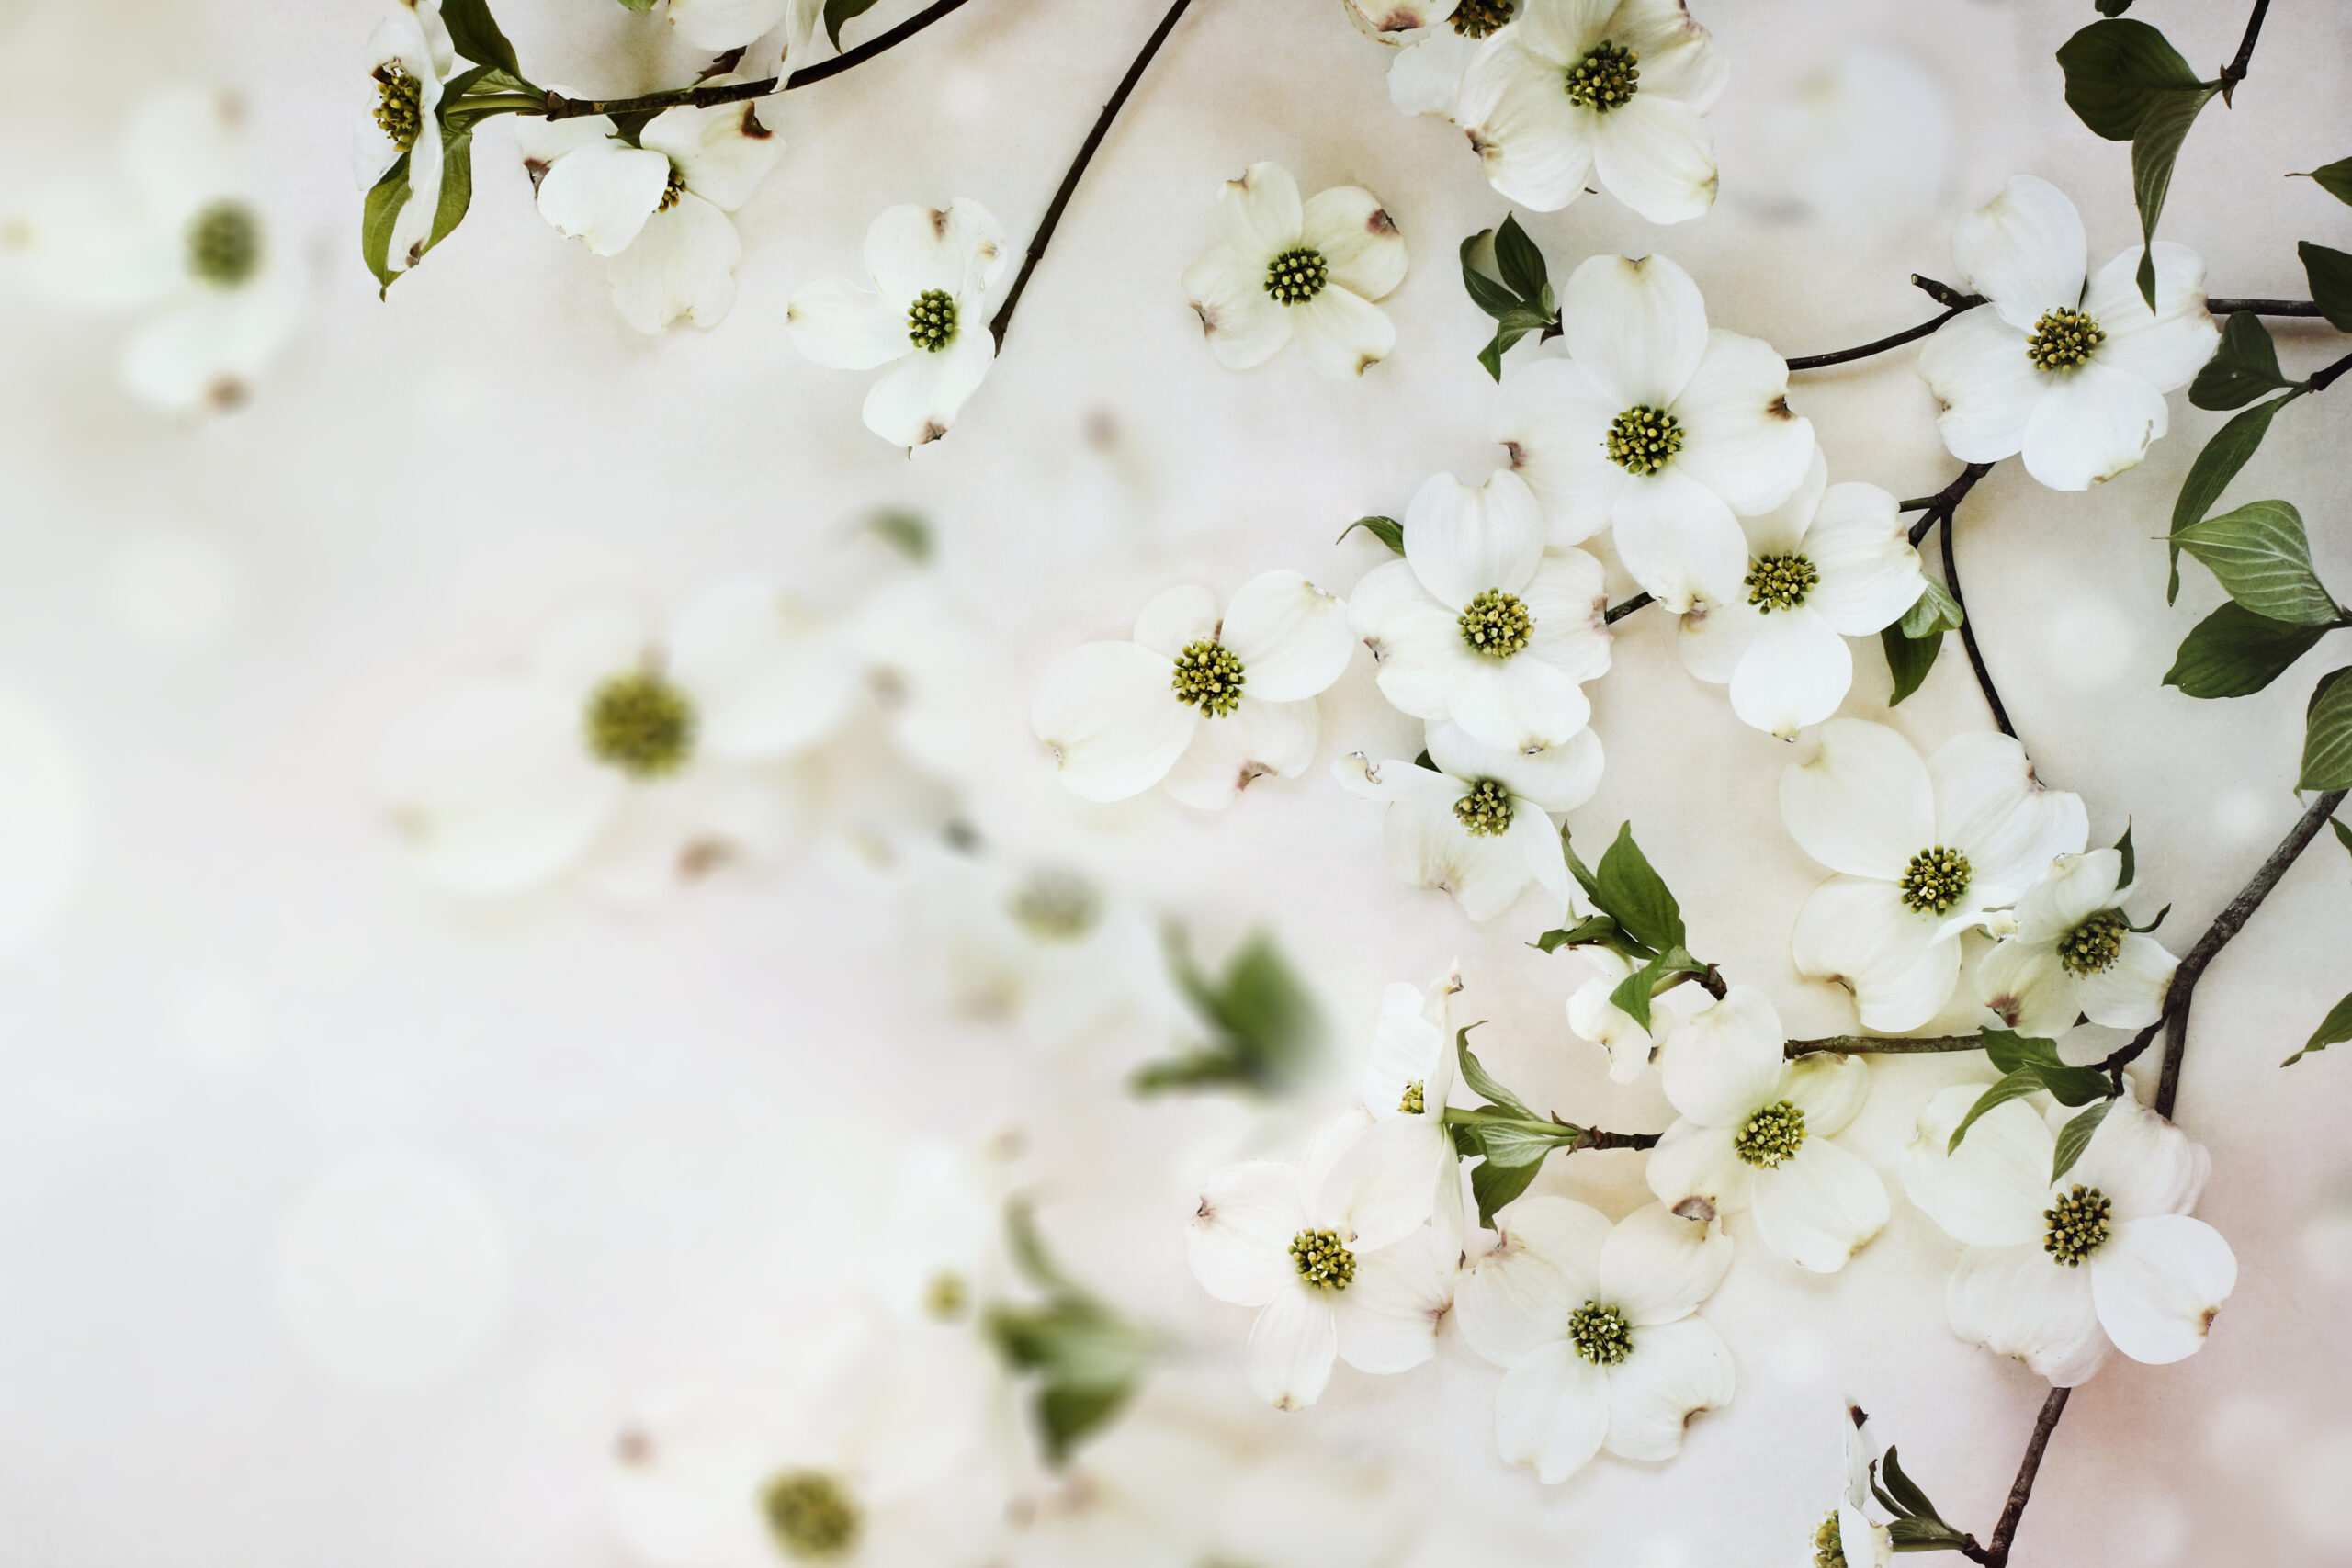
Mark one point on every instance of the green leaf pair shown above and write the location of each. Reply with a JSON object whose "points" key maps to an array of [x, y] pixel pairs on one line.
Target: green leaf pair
{"points": [[1087, 1360], [1514, 1146], [2027, 1066], [1508, 278], [1916, 1526], [1639, 921], [1262, 1023], [2127, 83], [1912, 642]]}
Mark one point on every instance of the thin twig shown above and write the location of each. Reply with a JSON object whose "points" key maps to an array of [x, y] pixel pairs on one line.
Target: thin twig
{"points": [[1893, 340], [1967, 637], [1617, 612], [1996, 1554], [1945, 501], [1052, 218], [1874, 1045], [2264, 306], [2322, 380]]}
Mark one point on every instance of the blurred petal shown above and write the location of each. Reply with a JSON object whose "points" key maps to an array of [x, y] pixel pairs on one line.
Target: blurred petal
{"points": [[1109, 713]]}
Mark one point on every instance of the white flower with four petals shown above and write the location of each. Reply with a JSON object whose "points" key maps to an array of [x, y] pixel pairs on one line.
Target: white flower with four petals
{"points": [[2073, 953], [1282, 269]]}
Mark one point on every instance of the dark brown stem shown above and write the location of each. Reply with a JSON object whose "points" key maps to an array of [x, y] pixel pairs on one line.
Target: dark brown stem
{"points": [[1052, 218], [2264, 306], [1872, 1045], [1967, 637], [2234, 72], [1892, 340], [1945, 501], [2322, 380], [1617, 612], [1996, 1554], [1594, 1138]]}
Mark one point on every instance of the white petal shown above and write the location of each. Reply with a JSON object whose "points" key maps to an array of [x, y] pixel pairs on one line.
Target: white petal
{"points": [[1655, 1268], [2131, 993], [2142, 1163], [1417, 641], [1176, 617], [1656, 156], [588, 644], [1864, 805], [1291, 636], [1991, 1190], [2166, 347], [1342, 333], [1244, 324], [1516, 1299], [1679, 539], [1553, 419], [1830, 1089], [1387, 1316], [723, 152], [910, 251], [1520, 704], [1990, 804], [1384, 1186], [2158, 1284], [2092, 424], [1426, 77], [1428, 847], [1858, 932], [205, 354], [1568, 601], [1638, 328], [1227, 753], [1239, 1238], [1260, 216], [1408, 1046], [1552, 1412], [2016, 1301], [2024, 250], [1795, 672], [1291, 1349], [1870, 573], [722, 25], [835, 322], [1725, 1060], [1537, 146], [603, 194], [1677, 1370], [1550, 778], [2069, 891], [682, 264], [1984, 386], [1714, 636], [1592, 1016], [1783, 530], [917, 399], [1463, 540], [1696, 1173], [496, 793], [1740, 438], [542, 141], [2024, 984], [1358, 241], [1819, 1207], [1534, 838], [1679, 57], [1110, 713], [765, 677]]}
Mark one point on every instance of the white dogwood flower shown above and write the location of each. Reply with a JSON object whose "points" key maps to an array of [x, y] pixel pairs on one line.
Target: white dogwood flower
{"points": [[722, 25], [410, 58], [1656, 426], [1594, 1016], [1593, 1324], [1435, 42], [2073, 376], [1755, 1130], [1922, 851], [1336, 1255], [1847, 1538], [658, 209], [1477, 825], [931, 270], [2056, 1273], [1281, 269], [2074, 953], [1207, 702], [1479, 624], [1406, 1082], [1576, 89], [1832, 561]]}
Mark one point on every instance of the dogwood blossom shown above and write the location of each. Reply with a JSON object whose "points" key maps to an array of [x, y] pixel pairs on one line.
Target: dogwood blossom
{"points": [[1754, 1129], [658, 208], [1435, 42], [1207, 702], [1832, 561], [1282, 269], [2073, 376], [1479, 624], [1574, 89], [2073, 953], [1656, 426], [1922, 850], [1477, 824], [410, 58], [1593, 1324], [1849, 1537], [722, 25], [1335, 1255], [1406, 1082], [1594, 1016], [931, 269], [2056, 1273]]}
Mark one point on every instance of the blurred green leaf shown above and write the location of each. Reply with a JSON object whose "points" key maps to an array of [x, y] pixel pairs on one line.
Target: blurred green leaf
{"points": [[1087, 1359], [1262, 1023]]}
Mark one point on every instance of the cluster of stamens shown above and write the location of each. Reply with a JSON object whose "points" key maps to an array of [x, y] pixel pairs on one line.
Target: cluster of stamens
{"points": [[673, 188], [1484, 811], [640, 724], [1781, 583], [931, 321], [810, 1515], [2063, 339], [1055, 906], [1643, 440], [224, 245], [1476, 18], [1606, 78], [1828, 1543], [1297, 275], [1601, 1333], [2093, 947], [1770, 1135], [945, 1295], [1935, 880], [1209, 677], [399, 104], [1495, 624], [1323, 1259], [2079, 1222], [1412, 1104]]}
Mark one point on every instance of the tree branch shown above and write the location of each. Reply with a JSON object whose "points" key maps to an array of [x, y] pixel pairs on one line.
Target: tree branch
{"points": [[1996, 1553], [1874, 1045], [1941, 507], [2234, 72], [1617, 612], [1968, 635]]}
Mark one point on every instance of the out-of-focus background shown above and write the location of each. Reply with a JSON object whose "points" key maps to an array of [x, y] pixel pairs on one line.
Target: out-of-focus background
{"points": [[344, 1220]]}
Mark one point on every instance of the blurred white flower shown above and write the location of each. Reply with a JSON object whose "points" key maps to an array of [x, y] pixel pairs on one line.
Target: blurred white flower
{"points": [[2056, 1272], [1850, 1520], [1481, 624], [1832, 561], [181, 236], [938, 1245], [45, 818], [722, 25], [659, 209], [1923, 850], [2074, 377], [931, 269], [1477, 824], [1754, 1130], [1207, 702], [1656, 426], [1594, 1016], [1573, 89], [410, 58], [654, 754], [1335, 1255], [2074, 953], [1284, 269], [1594, 1326]]}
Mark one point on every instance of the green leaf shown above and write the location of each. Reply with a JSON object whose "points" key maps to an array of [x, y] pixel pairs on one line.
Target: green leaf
{"points": [[1519, 261], [377, 216], [2327, 735], [2334, 178], [2012, 1086], [1491, 357], [2026, 1065], [1908, 660], [640, 4], [2156, 147], [1065, 1416], [2244, 369], [1583, 873], [903, 531], [1488, 291], [2343, 834], [1934, 611], [2075, 1136], [1484, 1084], [1925, 1535], [2263, 560], [1087, 1358], [2216, 466], [1262, 1024], [1909, 1501], [2112, 7], [2330, 273], [1594, 930], [1631, 890], [2114, 69], [457, 186], [1518, 1145], [1387, 530], [2334, 1030], [1496, 1185], [840, 11], [2234, 651], [2130, 871], [475, 34]]}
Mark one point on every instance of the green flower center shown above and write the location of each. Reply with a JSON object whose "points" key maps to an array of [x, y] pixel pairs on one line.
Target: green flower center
{"points": [[1297, 275], [810, 1515], [2079, 1222], [931, 321], [1497, 624], [1780, 583], [1770, 1135], [1055, 906], [1323, 1259], [1606, 78], [2063, 339], [1643, 440], [1476, 18], [945, 1295], [1412, 1104], [675, 186], [1209, 677], [399, 104], [1935, 880], [224, 245], [1484, 811], [1601, 1333], [1828, 1544], [640, 724], [2093, 947]]}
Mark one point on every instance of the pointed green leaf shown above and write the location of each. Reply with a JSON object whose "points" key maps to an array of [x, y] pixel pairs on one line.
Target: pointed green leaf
{"points": [[2244, 368], [2111, 8], [2156, 147], [1934, 611], [476, 35], [1631, 890], [1911, 1502], [2216, 466], [2012, 1086], [1519, 261], [457, 186], [2075, 1136], [1594, 930], [1484, 1084], [2334, 1030], [2327, 734], [2234, 652], [2334, 178], [2010, 1052], [2342, 833], [1583, 873], [2113, 70], [2263, 560], [2330, 273], [1518, 1145], [1494, 1186], [840, 11], [1387, 530], [1487, 291], [1908, 660], [2130, 861], [1925, 1535], [377, 216]]}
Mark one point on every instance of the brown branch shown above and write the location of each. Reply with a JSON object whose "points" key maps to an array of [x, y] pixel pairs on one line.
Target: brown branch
{"points": [[2234, 72], [1874, 1045], [1945, 501], [1968, 635], [1996, 1554], [1617, 612]]}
